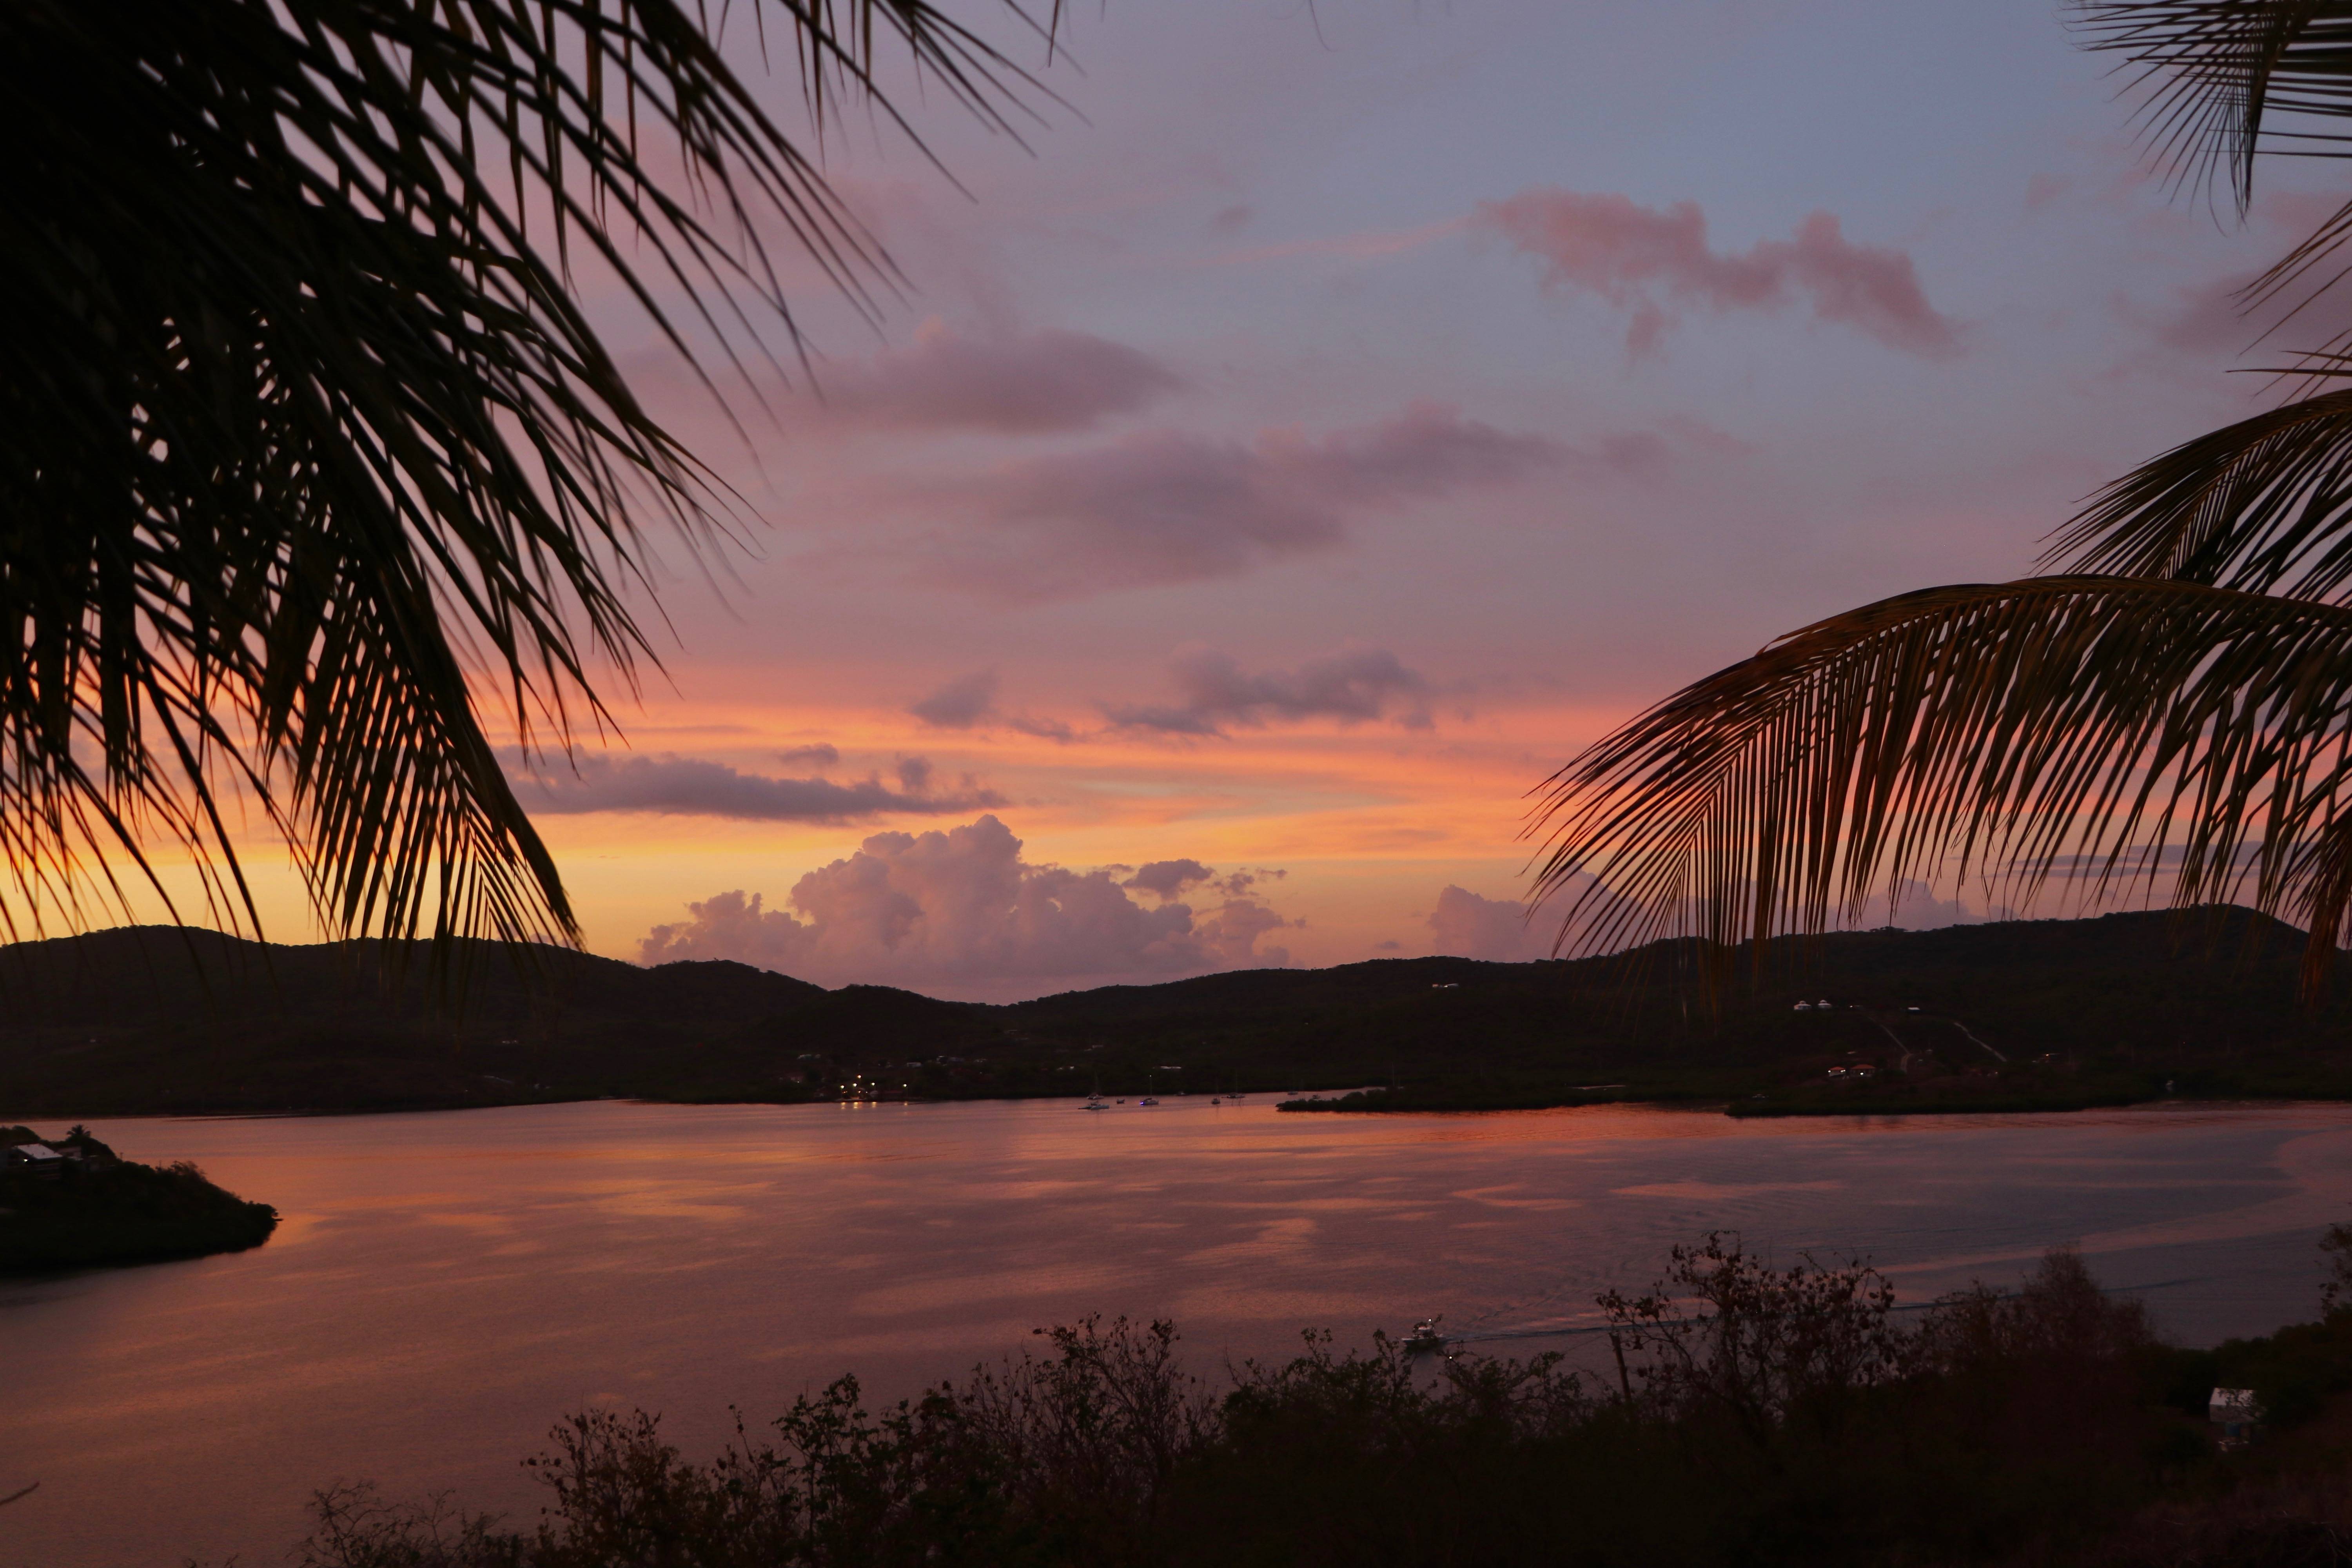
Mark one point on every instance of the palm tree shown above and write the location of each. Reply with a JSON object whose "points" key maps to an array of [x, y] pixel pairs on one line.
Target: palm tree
{"points": [[2171, 703], [307, 447]]}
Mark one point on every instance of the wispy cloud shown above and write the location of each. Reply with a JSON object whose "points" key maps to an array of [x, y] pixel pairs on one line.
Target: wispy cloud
{"points": [[1045, 379]]}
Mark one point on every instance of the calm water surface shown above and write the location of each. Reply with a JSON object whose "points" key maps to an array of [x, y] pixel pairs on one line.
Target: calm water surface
{"points": [[445, 1285]]}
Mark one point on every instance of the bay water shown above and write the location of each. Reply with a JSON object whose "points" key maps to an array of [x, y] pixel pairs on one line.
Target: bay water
{"points": [[445, 1286]]}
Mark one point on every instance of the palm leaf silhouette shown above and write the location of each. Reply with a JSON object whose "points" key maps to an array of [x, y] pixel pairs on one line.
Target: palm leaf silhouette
{"points": [[305, 442]]}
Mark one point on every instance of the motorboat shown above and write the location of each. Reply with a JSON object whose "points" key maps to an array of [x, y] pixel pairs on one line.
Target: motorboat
{"points": [[1147, 1099], [1426, 1336]]}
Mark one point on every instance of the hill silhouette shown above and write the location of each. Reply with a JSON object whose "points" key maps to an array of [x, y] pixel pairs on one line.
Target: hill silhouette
{"points": [[162, 1019]]}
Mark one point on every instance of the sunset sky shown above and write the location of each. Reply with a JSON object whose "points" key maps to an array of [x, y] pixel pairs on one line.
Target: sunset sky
{"points": [[1334, 417]]}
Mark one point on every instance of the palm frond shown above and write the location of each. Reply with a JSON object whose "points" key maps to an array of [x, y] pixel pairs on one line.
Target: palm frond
{"points": [[2215, 74], [2111, 728], [304, 434], [2210, 70], [2264, 505]]}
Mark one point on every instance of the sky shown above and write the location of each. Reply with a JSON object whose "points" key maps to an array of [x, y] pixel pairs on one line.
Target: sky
{"points": [[1321, 422]]}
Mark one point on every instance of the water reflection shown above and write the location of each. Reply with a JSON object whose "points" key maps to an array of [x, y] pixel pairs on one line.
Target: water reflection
{"points": [[445, 1285]]}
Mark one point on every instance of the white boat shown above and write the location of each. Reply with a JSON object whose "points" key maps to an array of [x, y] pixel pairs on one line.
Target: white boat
{"points": [[1426, 1336]]}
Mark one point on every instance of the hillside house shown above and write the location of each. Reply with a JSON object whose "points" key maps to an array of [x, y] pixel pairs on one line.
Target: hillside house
{"points": [[2235, 1417], [38, 1158]]}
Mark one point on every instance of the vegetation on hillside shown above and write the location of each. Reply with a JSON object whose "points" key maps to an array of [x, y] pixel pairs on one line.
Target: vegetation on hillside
{"points": [[1736, 1413]]}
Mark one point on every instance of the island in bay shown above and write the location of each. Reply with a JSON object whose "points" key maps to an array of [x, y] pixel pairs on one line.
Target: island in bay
{"points": [[69, 1202]]}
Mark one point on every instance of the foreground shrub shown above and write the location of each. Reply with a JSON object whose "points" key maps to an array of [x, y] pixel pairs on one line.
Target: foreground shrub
{"points": [[1746, 1413]]}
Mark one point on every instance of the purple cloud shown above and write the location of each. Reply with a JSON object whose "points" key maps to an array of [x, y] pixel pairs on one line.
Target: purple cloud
{"points": [[1018, 383], [689, 786], [961, 703], [1161, 506], [1648, 261], [1355, 685], [1165, 879]]}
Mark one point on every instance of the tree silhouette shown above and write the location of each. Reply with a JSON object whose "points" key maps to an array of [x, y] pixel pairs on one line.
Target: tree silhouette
{"points": [[307, 447]]}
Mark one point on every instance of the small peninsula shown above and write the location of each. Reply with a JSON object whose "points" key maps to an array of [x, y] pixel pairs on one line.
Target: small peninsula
{"points": [[73, 1202]]}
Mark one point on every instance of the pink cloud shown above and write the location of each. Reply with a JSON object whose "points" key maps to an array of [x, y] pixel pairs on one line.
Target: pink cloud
{"points": [[1648, 261], [1014, 383], [1163, 507], [963, 912]]}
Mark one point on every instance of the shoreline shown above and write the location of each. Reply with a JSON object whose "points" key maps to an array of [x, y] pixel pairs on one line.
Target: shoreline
{"points": [[1709, 1104]]}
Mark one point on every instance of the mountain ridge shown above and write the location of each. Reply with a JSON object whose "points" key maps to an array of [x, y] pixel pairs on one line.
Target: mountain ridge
{"points": [[171, 1019]]}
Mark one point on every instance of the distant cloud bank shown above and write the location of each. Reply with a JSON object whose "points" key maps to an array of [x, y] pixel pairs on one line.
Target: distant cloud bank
{"points": [[1651, 261], [961, 912]]}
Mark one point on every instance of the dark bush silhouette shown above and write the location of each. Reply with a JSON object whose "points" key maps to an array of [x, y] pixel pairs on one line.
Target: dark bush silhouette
{"points": [[1740, 1413]]}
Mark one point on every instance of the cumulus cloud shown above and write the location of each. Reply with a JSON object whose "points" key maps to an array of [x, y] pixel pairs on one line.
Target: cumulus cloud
{"points": [[963, 912], [1915, 907], [1469, 926], [1651, 261], [1501, 929], [961, 703], [1354, 685], [691, 786], [1161, 506], [1019, 382]]}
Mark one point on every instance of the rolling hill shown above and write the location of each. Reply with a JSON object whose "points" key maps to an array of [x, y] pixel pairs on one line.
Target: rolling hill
{"points": [[162, 1019]]}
